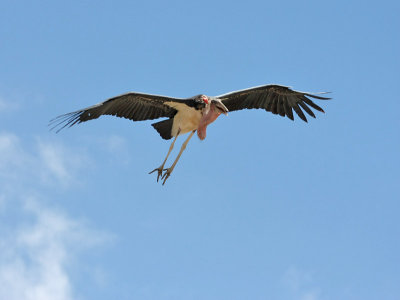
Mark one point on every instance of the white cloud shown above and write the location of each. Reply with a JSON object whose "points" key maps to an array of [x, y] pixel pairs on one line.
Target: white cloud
{"points": [[59, 163], [54, 160], [39, 245], [44, 162], [34, 257], [11, 153], [49, 162], [301, 284]]}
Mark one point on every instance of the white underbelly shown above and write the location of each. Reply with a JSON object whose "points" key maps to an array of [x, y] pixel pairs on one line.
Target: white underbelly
{"points": [[186, 120]]}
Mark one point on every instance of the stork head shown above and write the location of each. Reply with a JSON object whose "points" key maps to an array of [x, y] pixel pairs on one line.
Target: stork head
{"points": [[213, 103], [202, 102]]}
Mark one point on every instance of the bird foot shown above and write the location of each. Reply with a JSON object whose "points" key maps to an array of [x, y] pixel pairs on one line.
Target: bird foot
{"points": [[159, 172], [166, 175]]}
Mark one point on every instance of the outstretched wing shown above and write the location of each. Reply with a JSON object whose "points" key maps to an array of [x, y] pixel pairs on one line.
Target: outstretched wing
{"points": [[274, 98], [133, 106]]}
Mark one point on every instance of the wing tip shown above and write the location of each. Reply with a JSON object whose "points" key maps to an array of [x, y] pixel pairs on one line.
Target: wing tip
{"points": [[315, 95], [65, 120]]}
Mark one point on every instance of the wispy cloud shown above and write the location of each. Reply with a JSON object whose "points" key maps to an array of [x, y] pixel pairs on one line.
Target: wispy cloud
{"points": [[45, 161], [59, 163], [12, 156], [40, 243], [34, 256], [301, 284], [55, 160]]}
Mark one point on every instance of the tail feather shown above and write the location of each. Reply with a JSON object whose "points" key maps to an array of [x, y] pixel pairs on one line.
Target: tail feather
{"points": [[164, 128]]}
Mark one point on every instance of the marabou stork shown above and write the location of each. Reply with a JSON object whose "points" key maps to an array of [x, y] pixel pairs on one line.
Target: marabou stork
{"points": [[193, 114]]}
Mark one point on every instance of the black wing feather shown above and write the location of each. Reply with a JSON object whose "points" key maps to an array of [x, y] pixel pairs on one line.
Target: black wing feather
{"points": [[281, 109], [133, 106], [273, 98], [288, 110]]}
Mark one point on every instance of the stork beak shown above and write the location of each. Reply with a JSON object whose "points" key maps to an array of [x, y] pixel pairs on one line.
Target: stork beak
{"points": [[218, 104]]}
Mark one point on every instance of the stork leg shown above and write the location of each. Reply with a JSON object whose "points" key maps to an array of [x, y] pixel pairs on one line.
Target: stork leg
{"points": [[170, 169], [161, 168]]}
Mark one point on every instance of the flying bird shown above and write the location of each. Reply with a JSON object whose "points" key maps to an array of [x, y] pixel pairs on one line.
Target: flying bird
{"points": [[193, 114]]}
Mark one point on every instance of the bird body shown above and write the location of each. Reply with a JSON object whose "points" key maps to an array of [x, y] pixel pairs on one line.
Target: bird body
{"points": [[186, 119], [195, 113]]}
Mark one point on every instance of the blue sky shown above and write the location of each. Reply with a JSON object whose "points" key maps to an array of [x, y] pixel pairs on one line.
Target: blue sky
{"points": [[264, 208]]}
